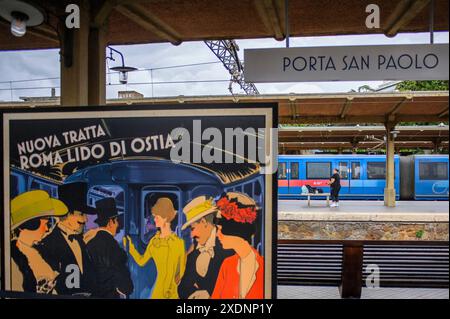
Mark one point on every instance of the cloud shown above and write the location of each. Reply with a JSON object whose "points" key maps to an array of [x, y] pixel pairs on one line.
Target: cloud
{"points": [[26, 65]]}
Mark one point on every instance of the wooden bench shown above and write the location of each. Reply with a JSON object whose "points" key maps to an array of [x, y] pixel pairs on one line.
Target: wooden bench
{"points": [[343, 263], [309, 195]]}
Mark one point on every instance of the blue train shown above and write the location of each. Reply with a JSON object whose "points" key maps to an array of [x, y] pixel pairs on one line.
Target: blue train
{"points": [[419, 177], [136, 185]]}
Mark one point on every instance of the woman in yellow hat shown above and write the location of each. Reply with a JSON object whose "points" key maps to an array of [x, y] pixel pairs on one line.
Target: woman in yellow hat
{"points": [[166, 249], [30, 212]]}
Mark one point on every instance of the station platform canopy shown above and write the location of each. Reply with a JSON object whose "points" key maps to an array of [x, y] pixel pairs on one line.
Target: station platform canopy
{"points": [[293, 139], [336, 108], [175, 21]]}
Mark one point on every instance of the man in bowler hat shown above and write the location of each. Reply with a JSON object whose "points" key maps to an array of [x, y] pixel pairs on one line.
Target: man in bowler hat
{"points": [[64, 249], [206, 255], [110, 261]]}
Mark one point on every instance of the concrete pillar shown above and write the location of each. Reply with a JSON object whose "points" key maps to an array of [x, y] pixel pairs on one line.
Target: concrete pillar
{"points": [[83, 59], [389, 191], [74, 61], [97, 66]]}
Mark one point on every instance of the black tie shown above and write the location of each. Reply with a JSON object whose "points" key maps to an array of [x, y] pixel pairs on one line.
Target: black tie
{"points": [[77, 237]]}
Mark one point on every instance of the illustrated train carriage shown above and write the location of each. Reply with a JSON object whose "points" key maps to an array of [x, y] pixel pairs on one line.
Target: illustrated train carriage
{"points": [[137, 184]]}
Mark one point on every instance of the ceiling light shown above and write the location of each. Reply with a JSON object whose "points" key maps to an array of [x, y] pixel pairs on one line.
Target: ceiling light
{"points": [[21, 15]]}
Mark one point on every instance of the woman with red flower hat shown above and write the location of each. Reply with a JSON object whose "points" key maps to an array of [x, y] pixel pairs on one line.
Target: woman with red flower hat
{"points": [[241, 276]]}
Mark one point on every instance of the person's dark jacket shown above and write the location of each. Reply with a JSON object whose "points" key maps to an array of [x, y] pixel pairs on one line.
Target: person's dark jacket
{"points": [[110, 264], [29, 280], [57, 253], [192, 281], [337, 182]]}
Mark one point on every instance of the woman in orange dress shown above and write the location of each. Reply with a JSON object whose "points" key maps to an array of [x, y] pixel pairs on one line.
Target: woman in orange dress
{"points": [[241, 276]]}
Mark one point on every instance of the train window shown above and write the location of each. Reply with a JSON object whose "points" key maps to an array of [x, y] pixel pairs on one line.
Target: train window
{"points": [[282, 171], [318, 170], [50, 189], [343, 170], [248, 189], [433, 171], [14, 186], [102, 191], [356, 170], [149, 227], [376, 170], [258, 188], [294, 170], [98, 192], [206, 190]]}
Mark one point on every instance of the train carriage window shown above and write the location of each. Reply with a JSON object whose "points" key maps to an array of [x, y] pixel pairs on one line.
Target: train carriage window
{"points": [[248, 189], [343, 170], [356, 170], [38, 184], [282, 171], [294, 170], [149, 227], [14, 186], [205, 190], [376, 170], [99, 192], [433, 171], [318, 170]]}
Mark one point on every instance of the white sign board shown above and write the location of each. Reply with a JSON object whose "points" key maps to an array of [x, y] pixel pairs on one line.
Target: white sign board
{"points": [[349, 63]]}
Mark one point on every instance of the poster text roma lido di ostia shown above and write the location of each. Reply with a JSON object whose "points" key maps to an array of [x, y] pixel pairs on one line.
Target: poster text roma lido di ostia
{"points": [[160, 203]]}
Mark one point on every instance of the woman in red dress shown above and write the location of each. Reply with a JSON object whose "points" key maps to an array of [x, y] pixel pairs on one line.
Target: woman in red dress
{"points": [[241, 276]]}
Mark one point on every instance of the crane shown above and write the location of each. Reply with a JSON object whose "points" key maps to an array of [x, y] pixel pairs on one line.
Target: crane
{"points": [[226, 52]]}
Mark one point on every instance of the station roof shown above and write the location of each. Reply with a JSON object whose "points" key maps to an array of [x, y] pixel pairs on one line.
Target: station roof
{"points": [[293, 139], [335, 108], [175, 21]]}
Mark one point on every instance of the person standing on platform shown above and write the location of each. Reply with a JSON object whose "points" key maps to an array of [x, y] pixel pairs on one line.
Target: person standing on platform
{"points": [[335, 186]]}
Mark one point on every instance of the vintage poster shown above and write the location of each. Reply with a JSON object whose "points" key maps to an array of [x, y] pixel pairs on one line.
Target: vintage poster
{"points": [[156, 202]]}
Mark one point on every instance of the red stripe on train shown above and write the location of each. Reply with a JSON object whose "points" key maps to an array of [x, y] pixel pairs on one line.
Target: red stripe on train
{"points": [[283, 183], [311, 182], [300, 183]]}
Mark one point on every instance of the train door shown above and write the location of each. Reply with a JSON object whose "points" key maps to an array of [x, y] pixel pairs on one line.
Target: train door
{"points": [[283, 182], [355, 180], [344, 172], [295, 187], [144, 277], [431, 180]]}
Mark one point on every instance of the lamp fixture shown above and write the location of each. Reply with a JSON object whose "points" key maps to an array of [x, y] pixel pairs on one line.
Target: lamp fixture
{"points": [[123, 69], [395, 133], [21, 15]]}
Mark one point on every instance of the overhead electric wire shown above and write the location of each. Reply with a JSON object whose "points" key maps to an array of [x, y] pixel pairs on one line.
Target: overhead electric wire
{"points": [[139, 70], [116, 84]]}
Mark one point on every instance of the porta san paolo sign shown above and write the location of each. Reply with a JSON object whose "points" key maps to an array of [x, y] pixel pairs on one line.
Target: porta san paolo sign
{"points": [[348, 63]]}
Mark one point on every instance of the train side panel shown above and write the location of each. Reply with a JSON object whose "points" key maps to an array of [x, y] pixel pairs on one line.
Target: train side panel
{"points": [[431, 178], [362, 177]]}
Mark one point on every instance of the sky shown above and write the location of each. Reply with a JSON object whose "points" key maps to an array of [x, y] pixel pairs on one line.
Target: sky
{"points": [[38, 64]]}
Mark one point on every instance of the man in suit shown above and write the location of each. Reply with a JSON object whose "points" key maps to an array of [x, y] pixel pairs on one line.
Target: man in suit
{"points": [[110, 261], [206, 255], [64, 249]]}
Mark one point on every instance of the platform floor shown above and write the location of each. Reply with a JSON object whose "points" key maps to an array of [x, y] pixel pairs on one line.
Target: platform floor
{"points": [[314, 292], [424, 211]]}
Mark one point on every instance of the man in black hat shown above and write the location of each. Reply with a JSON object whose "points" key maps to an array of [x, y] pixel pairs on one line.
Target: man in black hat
{"points": [[64, 249], [110, 261]]}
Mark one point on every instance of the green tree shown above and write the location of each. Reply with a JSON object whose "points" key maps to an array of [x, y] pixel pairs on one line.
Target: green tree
{"points": [[436, 85]]}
